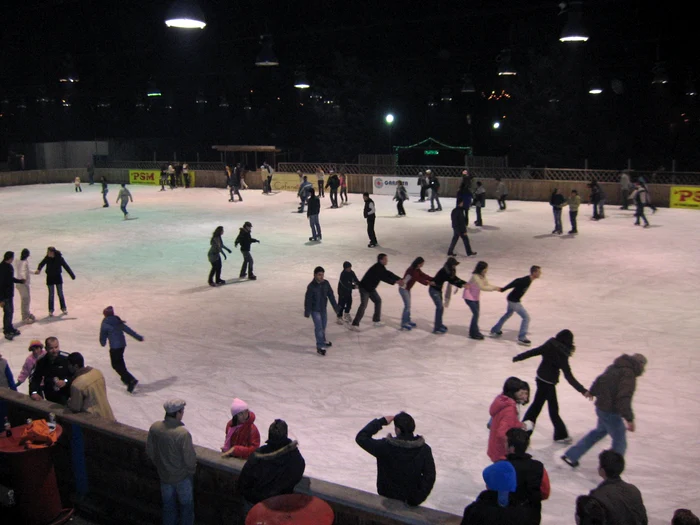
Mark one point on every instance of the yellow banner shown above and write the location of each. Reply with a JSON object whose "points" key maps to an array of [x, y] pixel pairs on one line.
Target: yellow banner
{"points": [[685, 197], [153, 177], [290, 181]]}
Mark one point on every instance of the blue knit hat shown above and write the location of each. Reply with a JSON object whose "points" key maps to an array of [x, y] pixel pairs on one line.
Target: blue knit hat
{"points": [[500, 477]]}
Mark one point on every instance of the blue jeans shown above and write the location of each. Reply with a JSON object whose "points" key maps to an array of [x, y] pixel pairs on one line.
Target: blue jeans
{"points": [[436, 296], [315, 226], [61, 299], [474, 326], [608, 423], [123, 207], [519, 309], [598, 211], [104, 198], [172, 495], [557, 219], [320, 320], [406, 315]]}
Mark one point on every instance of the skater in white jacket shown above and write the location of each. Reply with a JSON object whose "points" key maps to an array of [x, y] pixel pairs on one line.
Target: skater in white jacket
{"points": [[22, 271]]}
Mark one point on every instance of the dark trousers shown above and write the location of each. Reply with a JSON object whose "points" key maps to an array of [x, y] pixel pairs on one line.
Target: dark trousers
{"points": [[186, 176], [435, 197], [474, 325], [639, 214], [547, 392], [502, 202], [61, 299], [116, 356], [247, 264], [624, 195], [365, 297], [344, 304], [334, 197], [455, 237], [233, 190], [572, 219], [269, 183], [422, 193], [344, 194], [320, 189], [78, 189], [8, 311], [399, 208], [215, 271], [370, 229], [478, 216]]}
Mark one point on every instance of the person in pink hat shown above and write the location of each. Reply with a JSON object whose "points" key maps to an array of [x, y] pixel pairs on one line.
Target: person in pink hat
{"points": [[242, 436], [36, 348]]}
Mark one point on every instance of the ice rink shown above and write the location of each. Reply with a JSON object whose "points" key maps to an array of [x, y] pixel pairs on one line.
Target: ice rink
{"points": [[619, 288]]}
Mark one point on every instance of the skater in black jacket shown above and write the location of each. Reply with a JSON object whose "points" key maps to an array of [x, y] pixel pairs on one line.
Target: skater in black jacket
{"points": [[448, 273], [459, 229], [55, 263], [555, 358], [7, 294], [368, 290], [245, 240], [346, 284], [318, 293], [234, 183], [370, 213], [333, 183], [312, 213], [434, 185]]}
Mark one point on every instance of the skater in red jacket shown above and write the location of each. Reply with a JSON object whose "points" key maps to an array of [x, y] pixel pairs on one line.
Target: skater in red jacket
{"points": [[242, 436]]}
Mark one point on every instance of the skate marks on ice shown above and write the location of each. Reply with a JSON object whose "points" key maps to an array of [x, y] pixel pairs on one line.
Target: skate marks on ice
{"points": [[49, 319], [206, 287]]}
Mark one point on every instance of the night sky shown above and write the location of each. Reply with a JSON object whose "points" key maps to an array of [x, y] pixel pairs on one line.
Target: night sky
{"points": [[363, 59]]}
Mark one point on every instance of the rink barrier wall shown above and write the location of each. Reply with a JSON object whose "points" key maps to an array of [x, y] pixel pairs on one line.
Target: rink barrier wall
{"points": [[518, 189], [103, 471]]}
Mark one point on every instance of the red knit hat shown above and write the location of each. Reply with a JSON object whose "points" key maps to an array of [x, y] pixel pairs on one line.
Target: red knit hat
{"points": [[108, 311]]}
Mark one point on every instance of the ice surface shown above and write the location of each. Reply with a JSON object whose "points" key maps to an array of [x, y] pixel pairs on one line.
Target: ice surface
{"points": [[618, 287]]}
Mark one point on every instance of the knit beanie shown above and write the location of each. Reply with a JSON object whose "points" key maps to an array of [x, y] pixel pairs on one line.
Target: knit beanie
{"points": [[277, 431], [640, 359], [108, 311], [238, 406], [566, 337], [500, 477], [347, 265]]}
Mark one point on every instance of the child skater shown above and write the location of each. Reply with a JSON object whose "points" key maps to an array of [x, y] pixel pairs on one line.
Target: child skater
{"points": [[555, 357], [346, 284], [413, 275], [504, 416], [77, 185]]}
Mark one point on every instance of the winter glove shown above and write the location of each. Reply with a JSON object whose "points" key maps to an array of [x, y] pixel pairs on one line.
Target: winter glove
{"points": [[229, 251], [140, 338], [528, 426], [307, 314], [222, 253]]}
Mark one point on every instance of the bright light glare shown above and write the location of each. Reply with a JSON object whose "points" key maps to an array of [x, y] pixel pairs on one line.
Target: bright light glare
{"points": [[301, 85], [154, 94], [186, 23], [595, 91], [496, 125], [507, 72], [389, 118], [574, 38]]}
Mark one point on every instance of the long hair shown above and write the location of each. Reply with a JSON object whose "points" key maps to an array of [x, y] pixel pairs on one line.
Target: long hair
{"points": [[480, 267], [24, 255], [218, 232], [416, 262]]}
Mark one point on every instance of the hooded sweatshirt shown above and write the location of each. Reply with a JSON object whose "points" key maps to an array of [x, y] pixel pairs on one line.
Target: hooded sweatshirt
{"points": [[272, 470], [113, 329]]}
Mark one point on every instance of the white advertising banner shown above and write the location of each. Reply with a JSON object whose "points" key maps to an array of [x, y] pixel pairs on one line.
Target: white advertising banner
{"points": [[387, 185]]}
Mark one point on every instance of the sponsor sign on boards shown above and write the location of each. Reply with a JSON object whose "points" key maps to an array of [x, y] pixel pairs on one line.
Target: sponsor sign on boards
{"points": [[387, 185], [685, 197]]}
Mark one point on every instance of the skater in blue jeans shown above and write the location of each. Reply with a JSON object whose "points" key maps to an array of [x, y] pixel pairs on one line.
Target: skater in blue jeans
{"points": [[448, 273], [613, 391], [413, 275], [318, 293], [519, 287]]}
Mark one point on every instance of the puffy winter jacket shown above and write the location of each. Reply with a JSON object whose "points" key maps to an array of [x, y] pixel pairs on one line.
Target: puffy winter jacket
{"points": [[244, 438], [533, 484], [113, 329], [615, 387], [272, 470], [405, 467], [314, 206], [504, 416]]}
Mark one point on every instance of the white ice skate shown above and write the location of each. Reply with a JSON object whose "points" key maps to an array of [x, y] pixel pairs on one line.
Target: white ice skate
{"points": [[378, 324], [347, 317]]}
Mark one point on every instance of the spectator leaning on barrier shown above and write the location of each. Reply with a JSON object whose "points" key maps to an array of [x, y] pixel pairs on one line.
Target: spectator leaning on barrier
{"points": [[7, 380], [242, 436], [88, 392], [495, 505], [273, 469], [405, 465], [51, 377], [169, 446], [36, 348]]}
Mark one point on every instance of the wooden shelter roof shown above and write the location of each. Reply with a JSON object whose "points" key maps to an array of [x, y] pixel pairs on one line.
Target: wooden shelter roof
{"points": [[247, 149]]}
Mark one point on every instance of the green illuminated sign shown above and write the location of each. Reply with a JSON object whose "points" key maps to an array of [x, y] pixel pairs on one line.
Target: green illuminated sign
{"points": [[431, 152]]}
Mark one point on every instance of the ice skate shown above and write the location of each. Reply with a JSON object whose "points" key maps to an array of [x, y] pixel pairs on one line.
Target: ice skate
{"points": [[50, 314], [321, 351], [354, 327], [569, 462], [65, 311], [328, 344], [413, 325], [339, 320], [347, 317], [496, 333], [27, 320], [378, 324], [564, 441], [132, 385], [252, 277], [524, 341], [406, 327], [220, 282], [9, 337]]}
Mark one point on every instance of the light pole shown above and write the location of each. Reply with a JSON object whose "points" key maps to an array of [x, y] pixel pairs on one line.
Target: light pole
{"points": [[389, 119]]}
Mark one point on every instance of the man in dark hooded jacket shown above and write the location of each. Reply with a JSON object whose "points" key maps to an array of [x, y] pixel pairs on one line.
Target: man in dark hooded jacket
{"points": [[112, 330], [405, 465], [273, 469], [613, 390]]}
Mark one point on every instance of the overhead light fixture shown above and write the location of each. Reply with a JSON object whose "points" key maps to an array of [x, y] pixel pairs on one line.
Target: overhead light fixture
{"points": [[389, 118], [690, 88], [505, 68], [595, 88], [467, 85], [185, 14], [103, 104], [431, 102], [201, 99], [300, 81], [247, 104], [266, 57], [153, 90], [69, 80], [223, 102], [446, 94], [573, 29]]}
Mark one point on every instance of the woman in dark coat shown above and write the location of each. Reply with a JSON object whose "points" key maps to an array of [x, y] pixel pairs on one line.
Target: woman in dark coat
{"points": [[555, 358], [216, 250], [55, 264]]}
